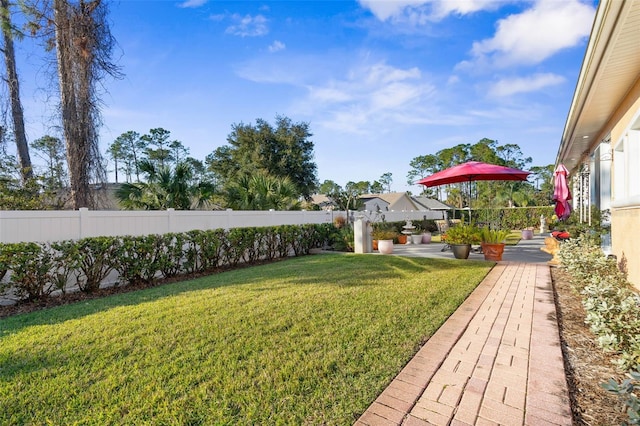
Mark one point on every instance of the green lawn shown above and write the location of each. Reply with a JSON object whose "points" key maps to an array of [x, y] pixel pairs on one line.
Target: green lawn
{"points": [[310, 340]]}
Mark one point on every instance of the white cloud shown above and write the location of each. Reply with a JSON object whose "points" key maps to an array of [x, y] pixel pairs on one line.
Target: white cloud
{"points": [[508, 87], [419, 12], [248, 26], [386, 9], [276, 46], [536, 34], [193, 3], [369, 97]]}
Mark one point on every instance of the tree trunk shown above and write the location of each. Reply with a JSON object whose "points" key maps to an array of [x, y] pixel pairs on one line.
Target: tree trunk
{"points": [[17, 114], [74, 50]]}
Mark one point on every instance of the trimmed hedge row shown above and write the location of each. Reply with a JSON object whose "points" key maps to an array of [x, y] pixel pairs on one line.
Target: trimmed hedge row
{"points": [[514, 218], [38, 269]]}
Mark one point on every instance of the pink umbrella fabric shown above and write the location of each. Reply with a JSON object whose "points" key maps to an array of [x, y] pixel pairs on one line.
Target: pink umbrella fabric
{"points": [[561, 193], [473, 170]]}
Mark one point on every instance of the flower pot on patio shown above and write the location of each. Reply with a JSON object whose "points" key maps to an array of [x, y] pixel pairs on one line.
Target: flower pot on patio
{"points": [[493, 251], [416, 239], [527, 234], [402, 239], [385, 246], [426, 237], [461, 251]]}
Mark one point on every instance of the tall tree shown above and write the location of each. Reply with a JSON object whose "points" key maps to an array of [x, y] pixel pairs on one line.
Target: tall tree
{"points": [[159, 147], [283, 151], [128, 150], [13, 84], [51, 150], [386, 179], [83, 45]]}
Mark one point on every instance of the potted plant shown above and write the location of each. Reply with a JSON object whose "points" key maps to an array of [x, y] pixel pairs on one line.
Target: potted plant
{"points": [[416, 237], [460, 238], [383, 240], [527, 234], [493, 243]]}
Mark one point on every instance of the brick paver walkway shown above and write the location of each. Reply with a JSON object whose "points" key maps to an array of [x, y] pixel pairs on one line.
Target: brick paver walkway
{"points": [[496, 361]]}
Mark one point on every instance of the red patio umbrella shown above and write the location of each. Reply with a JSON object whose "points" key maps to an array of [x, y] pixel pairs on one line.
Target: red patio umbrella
{"points": [[561, 192], [472, 171]]}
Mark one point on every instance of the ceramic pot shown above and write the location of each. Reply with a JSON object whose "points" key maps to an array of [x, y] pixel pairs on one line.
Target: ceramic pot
{"points": [[493, 251], [416, 239], [527, 234], [385, 246], [426, 238], [461, 251]]}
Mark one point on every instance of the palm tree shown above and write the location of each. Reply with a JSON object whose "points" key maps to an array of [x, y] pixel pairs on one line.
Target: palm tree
{"points": [[164, 188], [262, 192]]}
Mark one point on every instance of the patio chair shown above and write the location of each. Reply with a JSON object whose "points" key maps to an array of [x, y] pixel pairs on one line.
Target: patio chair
{"points": [[443, 227]]}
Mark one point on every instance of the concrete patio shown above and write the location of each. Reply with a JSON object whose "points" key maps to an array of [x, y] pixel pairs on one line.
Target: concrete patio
{"points": [[496, 361]]}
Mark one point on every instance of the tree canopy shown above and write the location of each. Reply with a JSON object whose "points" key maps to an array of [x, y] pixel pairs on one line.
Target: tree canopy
{"points": [[283, 151], [484, 193]]}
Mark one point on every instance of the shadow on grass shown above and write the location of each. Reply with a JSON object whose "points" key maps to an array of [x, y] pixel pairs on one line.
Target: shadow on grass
{"points": [[336, 269]]}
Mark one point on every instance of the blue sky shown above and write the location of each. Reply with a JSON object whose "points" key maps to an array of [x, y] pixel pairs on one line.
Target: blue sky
{"points": [[379, 82]]}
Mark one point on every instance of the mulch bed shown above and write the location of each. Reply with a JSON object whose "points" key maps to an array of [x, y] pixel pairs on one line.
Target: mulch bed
{"points": [[586, 365]]}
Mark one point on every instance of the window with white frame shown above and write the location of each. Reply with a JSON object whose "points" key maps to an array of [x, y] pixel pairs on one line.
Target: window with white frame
{"points": [[626, 160]]}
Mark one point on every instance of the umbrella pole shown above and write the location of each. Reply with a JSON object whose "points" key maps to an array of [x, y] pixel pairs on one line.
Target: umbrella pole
{"points": [[469, 201]]}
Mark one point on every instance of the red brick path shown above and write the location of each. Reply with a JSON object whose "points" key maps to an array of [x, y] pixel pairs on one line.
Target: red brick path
{"points": [[496, 361]]}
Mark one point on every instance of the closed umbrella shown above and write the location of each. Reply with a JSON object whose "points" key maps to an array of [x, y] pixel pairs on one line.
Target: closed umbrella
{"points": [[472, 171], [561, 192]]}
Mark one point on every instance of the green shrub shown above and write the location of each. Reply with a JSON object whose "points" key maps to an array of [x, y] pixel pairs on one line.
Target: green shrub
{"points": [[66, 260], [96, 261], [170, 256], [628, 390], [463, 234], [344, 239], [38, 269], [136, 258], [609, 299], [30, 265], [493, 236]]}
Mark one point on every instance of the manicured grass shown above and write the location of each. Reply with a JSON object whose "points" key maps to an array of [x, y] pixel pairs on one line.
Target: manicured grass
{"points": [[310, 340], [513, 238]]}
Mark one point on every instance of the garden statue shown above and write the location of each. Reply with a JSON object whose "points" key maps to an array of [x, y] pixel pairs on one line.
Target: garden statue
{"points": [[552, 246]]}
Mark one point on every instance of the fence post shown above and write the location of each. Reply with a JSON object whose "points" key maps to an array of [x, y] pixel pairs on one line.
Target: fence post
{"points": [[362, 239], [170, 212], [83, 222]]}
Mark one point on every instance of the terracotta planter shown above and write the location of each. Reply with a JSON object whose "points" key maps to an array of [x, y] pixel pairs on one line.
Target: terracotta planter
{"points": [[493, 251], [426, 238], [374, 243], [402, 239], [385, 246], [527, 234], [461, 251]]}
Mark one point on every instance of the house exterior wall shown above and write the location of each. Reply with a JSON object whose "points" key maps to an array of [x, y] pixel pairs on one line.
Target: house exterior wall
{"points": [[403, 203], [625, 175], [625, 232], [376, 204]]}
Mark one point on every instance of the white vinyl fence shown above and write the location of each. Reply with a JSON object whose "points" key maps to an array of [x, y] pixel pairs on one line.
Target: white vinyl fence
{"points": [[47, 226]]}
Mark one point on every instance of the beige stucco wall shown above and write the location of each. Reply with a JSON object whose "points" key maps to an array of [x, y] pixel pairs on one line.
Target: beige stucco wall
{"points": [[625, 113], [625, 234], [625, 221]]}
